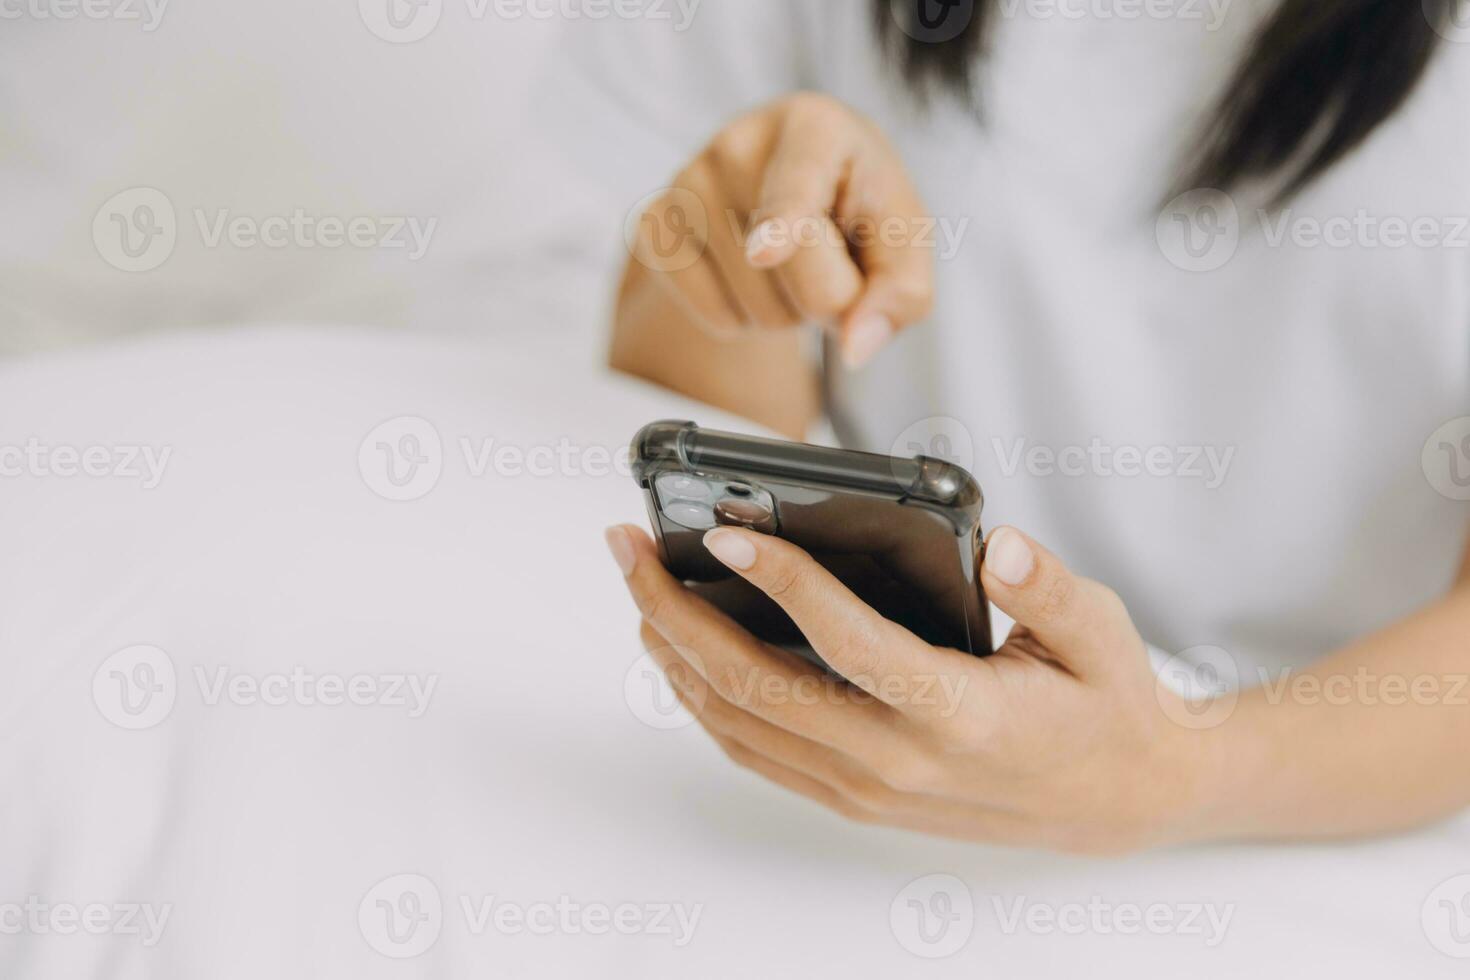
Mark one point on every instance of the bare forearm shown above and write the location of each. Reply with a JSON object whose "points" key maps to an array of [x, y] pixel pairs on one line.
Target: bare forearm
{"points": [[1369, 740], [761, 375]]}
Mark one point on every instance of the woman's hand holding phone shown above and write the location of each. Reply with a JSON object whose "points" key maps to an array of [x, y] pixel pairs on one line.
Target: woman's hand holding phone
{"points": [[812, 217], [1056, 741]]}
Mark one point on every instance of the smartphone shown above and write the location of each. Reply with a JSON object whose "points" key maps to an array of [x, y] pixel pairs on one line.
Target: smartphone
{"points": [[903, 534]]}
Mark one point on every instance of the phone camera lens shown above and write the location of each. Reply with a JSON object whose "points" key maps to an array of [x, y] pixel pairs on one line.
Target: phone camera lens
{"points": [[673, 486], [692, 514], [745, 513], [736, 490]]}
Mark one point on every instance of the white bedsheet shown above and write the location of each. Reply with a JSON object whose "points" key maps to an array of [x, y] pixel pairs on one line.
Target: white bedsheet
{"points": [[262, 831]]}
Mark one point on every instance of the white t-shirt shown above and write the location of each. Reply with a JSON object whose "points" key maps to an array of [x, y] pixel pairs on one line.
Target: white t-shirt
{"points": [[1234, 433]]}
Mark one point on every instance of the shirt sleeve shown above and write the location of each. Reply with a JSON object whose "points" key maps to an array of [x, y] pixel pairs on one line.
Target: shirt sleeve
{"points": [[626, 101], [636, 96]]}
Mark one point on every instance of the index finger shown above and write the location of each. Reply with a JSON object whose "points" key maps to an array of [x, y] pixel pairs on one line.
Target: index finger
{"points": [[853, 639], [803, 180], [739, 668]]}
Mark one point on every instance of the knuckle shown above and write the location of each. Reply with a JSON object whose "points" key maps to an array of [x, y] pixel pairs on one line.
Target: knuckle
{"points": [[857, 660], [713, 717], [858, 651], [871, 795], [785, 581], [821, 293], [1110, 604], [652, 603], [907, 775], [970, 733], [698, 177], [915, 293], [723, 683], [780, 317], [1057, 596], [652, 638], [812, 106], [733, 152]]}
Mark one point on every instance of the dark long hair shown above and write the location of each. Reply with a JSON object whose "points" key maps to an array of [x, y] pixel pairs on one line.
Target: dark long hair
{"points": [[1320, 77]]}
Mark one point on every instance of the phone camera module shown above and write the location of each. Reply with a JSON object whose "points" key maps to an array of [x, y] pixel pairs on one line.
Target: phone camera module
{"points": [[699, 503]]}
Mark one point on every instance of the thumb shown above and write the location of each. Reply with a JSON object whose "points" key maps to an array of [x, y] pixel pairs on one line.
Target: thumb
{"points": [[1080, 622]]}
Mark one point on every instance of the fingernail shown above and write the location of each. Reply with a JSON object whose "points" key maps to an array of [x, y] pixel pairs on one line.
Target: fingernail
{"points": [[731, 548], [865, 337], [1009, 557], [759, 248], [621, 547]]}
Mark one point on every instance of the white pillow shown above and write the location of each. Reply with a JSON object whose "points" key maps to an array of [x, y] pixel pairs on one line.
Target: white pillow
{"points": [[254, 112]]}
